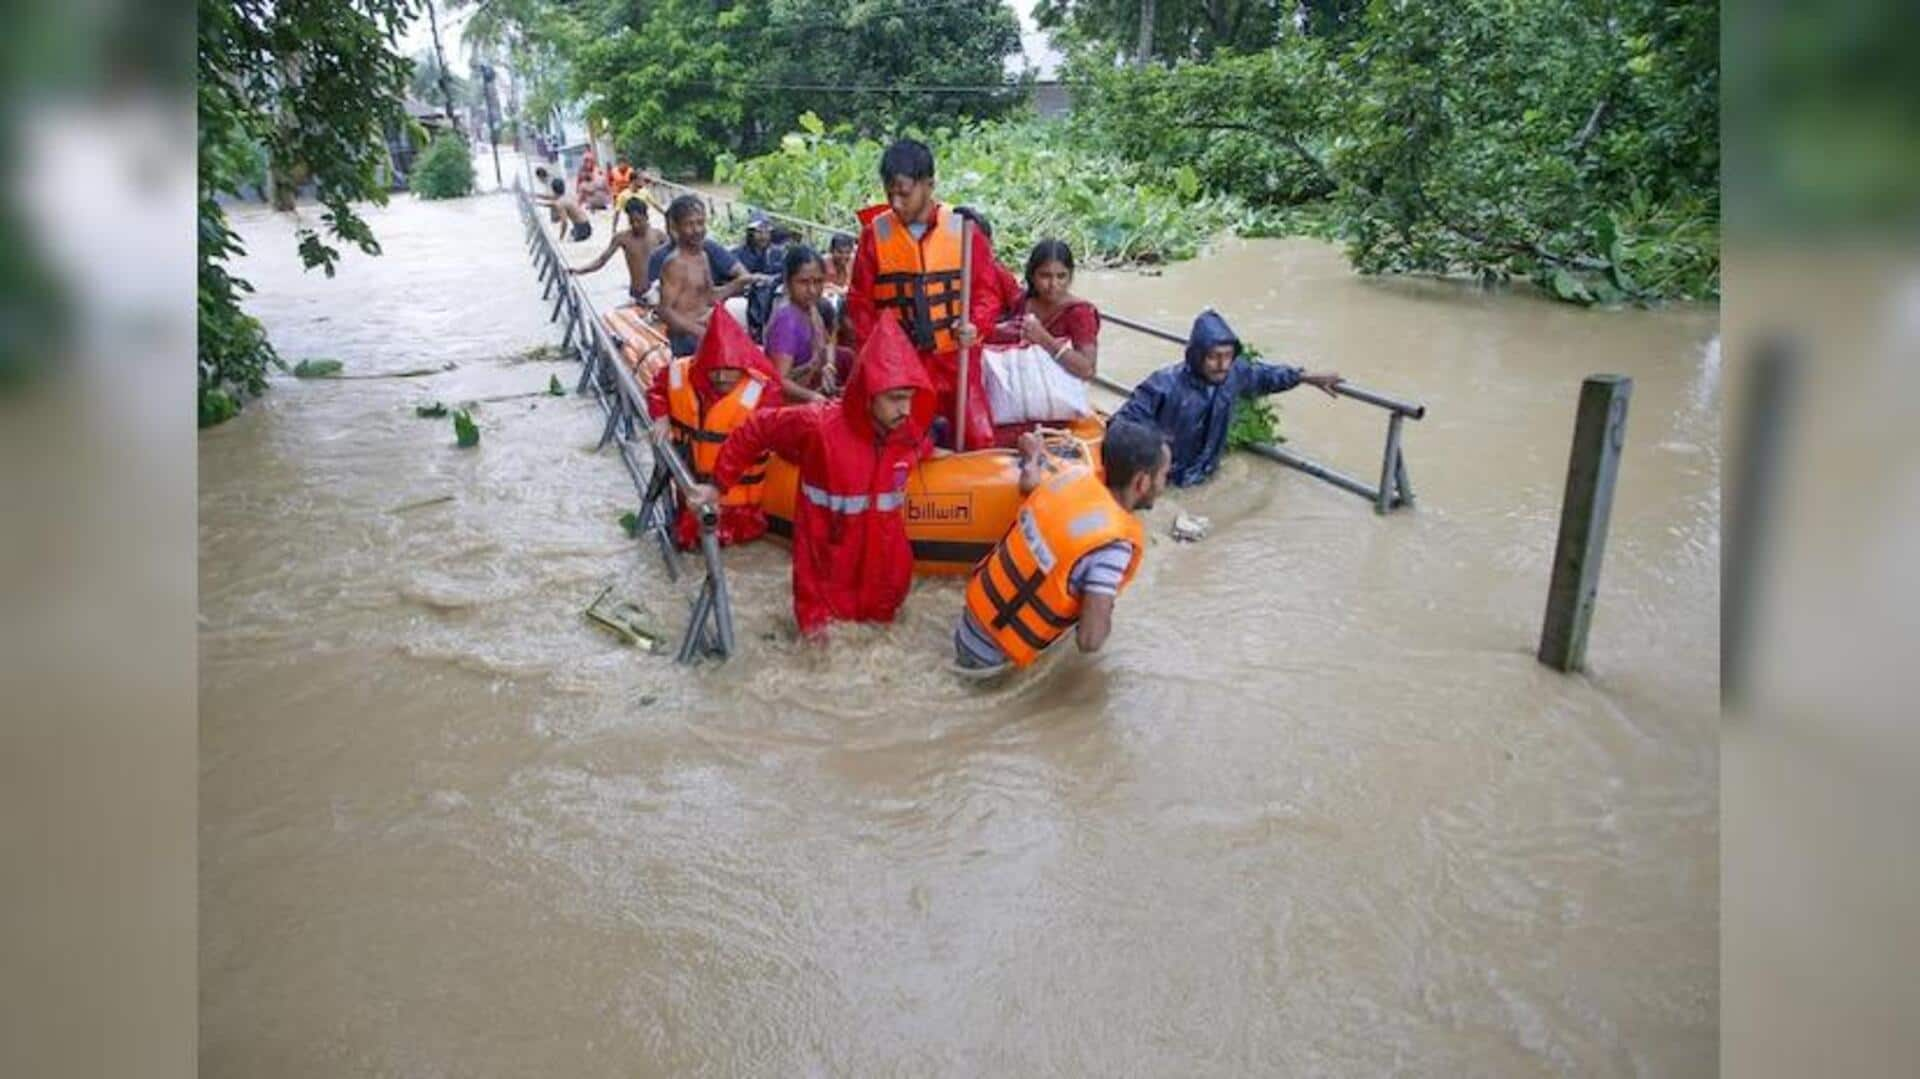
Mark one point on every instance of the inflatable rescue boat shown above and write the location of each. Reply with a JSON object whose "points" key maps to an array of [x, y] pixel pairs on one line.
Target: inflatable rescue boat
{"points": [[959, 505]]}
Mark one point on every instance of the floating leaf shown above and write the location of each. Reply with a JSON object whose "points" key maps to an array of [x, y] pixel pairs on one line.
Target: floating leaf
{"points": [[317, 368], [466, 433], [631, 522], [554, 387], [1569, 288]]}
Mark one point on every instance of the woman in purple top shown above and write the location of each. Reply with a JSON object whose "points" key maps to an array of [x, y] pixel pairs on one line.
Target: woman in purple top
{"points": [[798, 341]]}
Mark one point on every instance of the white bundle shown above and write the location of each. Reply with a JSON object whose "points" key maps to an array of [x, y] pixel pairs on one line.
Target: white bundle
{"points": [[1025, 385]]}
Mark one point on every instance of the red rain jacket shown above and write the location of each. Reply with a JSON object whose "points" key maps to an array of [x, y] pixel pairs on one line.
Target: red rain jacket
{"points": [[851, 558], [943, 368], [725, 345]]}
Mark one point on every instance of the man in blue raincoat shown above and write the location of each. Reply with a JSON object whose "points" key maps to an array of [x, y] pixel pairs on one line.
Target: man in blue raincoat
{"points": [[1192, 402]]}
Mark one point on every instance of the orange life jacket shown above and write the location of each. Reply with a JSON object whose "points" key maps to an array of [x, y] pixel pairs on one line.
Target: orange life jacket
{"points": [[919, 280], [704, 431], [1018, 594]]}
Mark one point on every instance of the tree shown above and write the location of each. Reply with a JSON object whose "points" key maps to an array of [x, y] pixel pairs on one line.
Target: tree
{"points": [[1571, 142], [682, 81], [318, 83], [1171, 29]]}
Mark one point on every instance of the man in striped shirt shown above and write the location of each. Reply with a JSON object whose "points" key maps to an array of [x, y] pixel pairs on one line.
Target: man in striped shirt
{"points": [[1136, 458]]}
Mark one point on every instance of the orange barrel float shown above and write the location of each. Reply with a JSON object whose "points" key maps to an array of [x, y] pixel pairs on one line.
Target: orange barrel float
{"points": [[958, 505], [643, 346]]}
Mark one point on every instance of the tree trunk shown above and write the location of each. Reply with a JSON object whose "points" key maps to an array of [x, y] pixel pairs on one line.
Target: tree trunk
{"points": [[1143, 50], [440, 59]]}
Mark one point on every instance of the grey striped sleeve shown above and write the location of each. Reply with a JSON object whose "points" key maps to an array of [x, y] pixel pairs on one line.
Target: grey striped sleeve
{"points": [[1100, 571]]}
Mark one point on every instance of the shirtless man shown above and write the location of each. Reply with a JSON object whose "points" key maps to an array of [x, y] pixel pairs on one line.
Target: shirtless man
{"points": [[687, 289], [569, 209], [636, 242]]}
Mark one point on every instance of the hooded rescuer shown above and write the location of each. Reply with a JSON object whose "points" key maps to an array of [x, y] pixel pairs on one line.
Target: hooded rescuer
{"points": [[852, 561], [700, 401]]}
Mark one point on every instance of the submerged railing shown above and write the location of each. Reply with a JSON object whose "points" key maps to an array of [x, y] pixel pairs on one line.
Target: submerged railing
{"points": [[1392, 492], [709, 629]]}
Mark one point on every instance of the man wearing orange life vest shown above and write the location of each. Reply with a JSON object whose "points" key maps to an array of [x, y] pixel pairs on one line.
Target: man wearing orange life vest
{"points": [[907, 265], [1073, 547], [697, 403]]}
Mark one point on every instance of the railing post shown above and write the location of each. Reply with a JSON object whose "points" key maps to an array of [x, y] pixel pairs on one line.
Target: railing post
{"points": [[1387, 498], [1599, 433]]}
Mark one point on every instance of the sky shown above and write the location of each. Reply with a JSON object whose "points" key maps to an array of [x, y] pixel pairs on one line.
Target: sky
{"points": [[1036, 49]]}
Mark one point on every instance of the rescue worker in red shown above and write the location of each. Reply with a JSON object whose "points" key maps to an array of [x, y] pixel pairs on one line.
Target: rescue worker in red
{"points": [[908, 265], [697, 402], [852, 561], [1074, 546]]}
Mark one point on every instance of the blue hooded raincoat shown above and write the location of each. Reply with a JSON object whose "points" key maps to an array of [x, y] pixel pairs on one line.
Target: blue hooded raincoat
{"points": [[1193, 413]]}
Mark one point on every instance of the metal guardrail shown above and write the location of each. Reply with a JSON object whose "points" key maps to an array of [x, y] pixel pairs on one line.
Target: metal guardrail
{"points": [[1391, 493], [710, 625], [1394, 491]]}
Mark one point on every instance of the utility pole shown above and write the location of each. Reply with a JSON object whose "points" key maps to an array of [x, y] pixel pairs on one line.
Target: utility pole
{"points": [[440, 59], [493, 121]]}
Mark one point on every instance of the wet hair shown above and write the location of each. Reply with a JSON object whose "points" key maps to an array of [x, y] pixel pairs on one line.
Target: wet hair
{"points": [[540, 171], [1130, 449], [684, 207], [798, 256], [559, 186], [637, 207], [909, 158], [979, 220], [1048, 250], [842, 241]]}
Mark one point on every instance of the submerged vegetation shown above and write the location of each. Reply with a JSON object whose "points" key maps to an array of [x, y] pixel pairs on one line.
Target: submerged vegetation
{"points": [[1030, 178]]}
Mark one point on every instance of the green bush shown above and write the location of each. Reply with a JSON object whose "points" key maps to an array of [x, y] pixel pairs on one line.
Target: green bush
{"points": [[445, 171], [1032, 179]]}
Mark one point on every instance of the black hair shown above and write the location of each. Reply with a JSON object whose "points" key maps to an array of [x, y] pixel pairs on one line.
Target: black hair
{"points": [[1048, 250], [782, 235], [559, 186], [684, 207], [1130, 449], [798, 255], [909, 158], [540, 171], [841, 241], [979, 220], [637, 206]]}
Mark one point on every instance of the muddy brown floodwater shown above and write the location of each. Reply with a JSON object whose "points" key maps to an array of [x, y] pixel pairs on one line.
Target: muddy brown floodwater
{"points": [[1315, 809]]}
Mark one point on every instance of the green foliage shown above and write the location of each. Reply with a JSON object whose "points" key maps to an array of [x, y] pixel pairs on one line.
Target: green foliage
{"points": [[317, 369], [432, 410], [680, 82], [630, 521], [1572, 144], [466, 433], [1031, 178], [1182, 29], [554, 388], [314, 85], [445, 171], [1254, 420]]}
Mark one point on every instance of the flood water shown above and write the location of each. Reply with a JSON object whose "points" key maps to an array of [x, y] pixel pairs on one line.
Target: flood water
{"points": [[1315, 809]]}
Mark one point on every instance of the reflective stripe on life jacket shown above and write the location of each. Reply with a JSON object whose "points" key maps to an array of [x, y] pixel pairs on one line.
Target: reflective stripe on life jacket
{"points": [[852, 504], [1018, 594], [919, 280], [703, 432]]}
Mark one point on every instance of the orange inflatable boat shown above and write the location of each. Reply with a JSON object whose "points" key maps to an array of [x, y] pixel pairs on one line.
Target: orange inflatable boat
{"points": [[958, 505]]}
